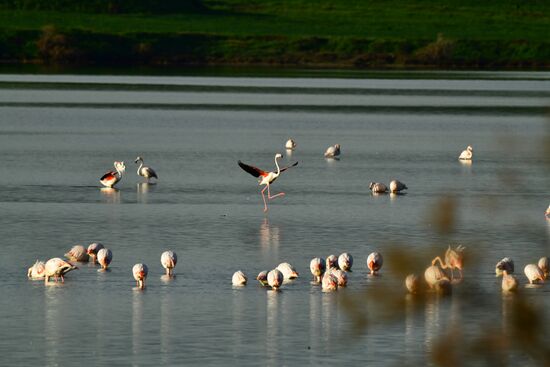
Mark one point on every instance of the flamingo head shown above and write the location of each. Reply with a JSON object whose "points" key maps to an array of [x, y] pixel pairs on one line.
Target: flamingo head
{"points": [[278, 155], [470, 148], [371, 184], [138, 159], [120, 167]]}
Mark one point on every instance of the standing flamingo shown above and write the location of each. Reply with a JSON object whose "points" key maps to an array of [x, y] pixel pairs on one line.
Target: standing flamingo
{"points": [[275, 279], [77, 253], [345, 261], [509, 282], [467, 154], [332, 151], [169, 259], [111, 178], [504, 265], [396, 186], [288, 270], [57, 268], [266, 178], [412, 282], [139, 271], [93, 250], [290, 144], [262, 278], [534, 273], [378, 188], [37, 271], [453, 259], [239, 278], [547, 214], [317, 267], [145, 171], [374, 262], [544, 265], [329, 282], [332, 262], [104, 257]]}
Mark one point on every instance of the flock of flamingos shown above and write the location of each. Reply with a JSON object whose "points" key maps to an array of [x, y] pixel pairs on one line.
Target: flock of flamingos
{"points": [[331, 273]]}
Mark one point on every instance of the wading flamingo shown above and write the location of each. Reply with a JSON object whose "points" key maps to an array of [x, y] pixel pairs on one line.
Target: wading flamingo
{"points": [[77, 253], [454, 258], [332, 262], [288, 271], [93, 249], [139, 271], [332, 151], [412, 282], [329, 282], [169, 259], [145, 171], [340, 276], [437, 279], [290, 144], [547, 214], [317, 267], [345, 261], [374, 262], [37, 271], [397, 186], [239, 278], [534, 273], [544, 265], [266, 178], [104, 258], [111, 178], [509, 282], [262, 278], [275, 279], [467, 154], [57, 268], [378, 188], [504, 265]]}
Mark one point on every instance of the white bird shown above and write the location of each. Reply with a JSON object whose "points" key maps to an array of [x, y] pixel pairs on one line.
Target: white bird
{"points": [[412, 282], [467, 154], [266, 178], [77, 253], [275, 278], [332, 262], [145, 171], [332, 151], [534, 273], [345, 261], [509, 282], [37, 271], [375, 262], [57, 268], [437, 279], [504, 265], [377, 188], [288, 271], [111, 178], [397, 186], [290, 144], [239, 278], [547, 214], [104, 258], [169, 259], [92, 250], [544, 265], [262, 278], [139, 271], [341, 277], [329, 282], [317, 267]]}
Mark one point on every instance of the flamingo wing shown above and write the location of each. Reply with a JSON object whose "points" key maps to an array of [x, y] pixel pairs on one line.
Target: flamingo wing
{"points": [[254, 171], [292, 165], [109, 176]]}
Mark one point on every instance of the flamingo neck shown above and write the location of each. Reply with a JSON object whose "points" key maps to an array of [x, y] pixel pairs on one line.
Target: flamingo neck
{"points": [[140, 165], [278, 168], [118, 171]]}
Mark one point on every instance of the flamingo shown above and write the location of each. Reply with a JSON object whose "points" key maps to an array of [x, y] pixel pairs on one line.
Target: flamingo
{"points": [[453, 259], [341, 277], [332, 151], [345, 261], [57, 268], [139, 271], [239, 278], [77, 253], [266, 178], [290, 144], [329, 282], [104, 257], [377, 188], [332, 262], [262, 278], [145, 171], [288, 271], [412, 282], [275, 279], [111, 178], [317, 267], [374, 262], [547, 214], [436, 279], [397, 186], [169, 259], [534, 273], [467, 154], [504, 265], [93, 249], [509, 282], [37, 271], [544, 265]]}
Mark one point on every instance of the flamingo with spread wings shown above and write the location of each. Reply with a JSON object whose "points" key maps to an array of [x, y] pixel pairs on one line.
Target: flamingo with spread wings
{"points": [[266, 178]]}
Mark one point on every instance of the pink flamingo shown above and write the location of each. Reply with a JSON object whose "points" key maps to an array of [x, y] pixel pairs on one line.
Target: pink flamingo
{"points": [[111, 178], [239, 278], [139, 271], [266, 178], [169, 259], [57, 268], [104, 257], [375, 262], [77, 253], [93, 249], [275, 279], [454, 258], [37, 271]]}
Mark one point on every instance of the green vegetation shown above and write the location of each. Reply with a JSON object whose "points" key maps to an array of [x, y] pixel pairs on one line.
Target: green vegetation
{"points": [[392, 33]]}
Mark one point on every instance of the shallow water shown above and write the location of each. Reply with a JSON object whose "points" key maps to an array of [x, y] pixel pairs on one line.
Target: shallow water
{"points": [[59, 134]]}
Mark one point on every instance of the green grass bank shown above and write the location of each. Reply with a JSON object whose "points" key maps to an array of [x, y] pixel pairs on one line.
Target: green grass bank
{"points": [[358, 34]]}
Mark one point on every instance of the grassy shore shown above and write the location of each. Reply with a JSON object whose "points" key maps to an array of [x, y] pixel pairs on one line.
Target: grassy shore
{"points": [[457, 34]]}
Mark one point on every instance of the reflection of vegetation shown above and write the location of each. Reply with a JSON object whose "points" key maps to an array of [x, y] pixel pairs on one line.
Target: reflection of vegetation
{"points": [[347, 33]]}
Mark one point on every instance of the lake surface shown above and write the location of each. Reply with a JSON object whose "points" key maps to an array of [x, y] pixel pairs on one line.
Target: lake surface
{"points": [[60, 133]]}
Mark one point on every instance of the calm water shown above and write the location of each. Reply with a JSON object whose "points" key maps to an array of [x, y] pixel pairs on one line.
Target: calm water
{"points": [[59, 134]]}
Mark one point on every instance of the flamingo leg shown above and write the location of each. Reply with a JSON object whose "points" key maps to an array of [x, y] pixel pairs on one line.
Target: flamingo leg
{"points": [[274, 196], [263, 197], [62, 279]]}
